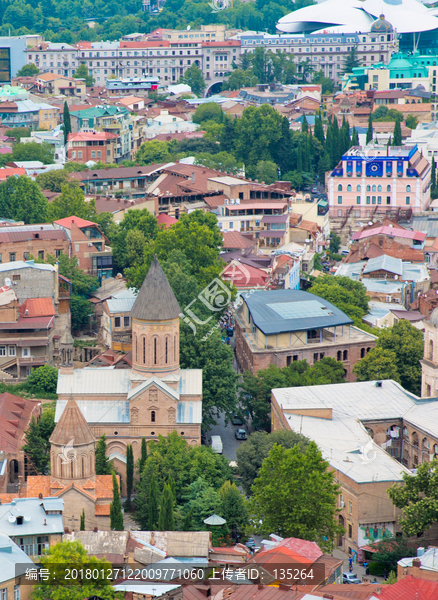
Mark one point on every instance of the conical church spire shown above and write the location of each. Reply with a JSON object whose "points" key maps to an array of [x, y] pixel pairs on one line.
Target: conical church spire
{"points": [[156, 300]]}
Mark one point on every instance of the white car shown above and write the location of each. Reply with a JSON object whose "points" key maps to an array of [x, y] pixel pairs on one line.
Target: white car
{"points": [[350, 578]]}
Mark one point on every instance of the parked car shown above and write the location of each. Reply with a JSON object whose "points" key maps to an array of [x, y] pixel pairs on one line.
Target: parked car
{"points": [[306, 188], [216, 444], [237, 420], [314, 190], [350, 578], [240, 434]]}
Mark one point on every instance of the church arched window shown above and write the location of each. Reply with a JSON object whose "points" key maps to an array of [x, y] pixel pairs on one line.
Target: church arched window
{"points": [[152, 416], [174, 347], [166, 345], [155, 351], [144, 350]]}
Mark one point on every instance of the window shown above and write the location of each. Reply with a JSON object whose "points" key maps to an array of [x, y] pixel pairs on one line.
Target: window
{"points": [[379, 188], [345, 355], [2, 350], [166, 346], [339, 199], [350, 531], [408, 188], [339, 355], [374, 188], [16, 277], [388, 188], [368, 188], [155, 351], [357, 199], [58, 253], [358, 188], [340, 188], [408, 200], [388, 199], [16, 592], [125, 321], [26, 255], [350, 507], [11, 350], [41, 254], [117, 322], [25, 352], [152, 416], [348, 188], [12, 257], [368, 199]]}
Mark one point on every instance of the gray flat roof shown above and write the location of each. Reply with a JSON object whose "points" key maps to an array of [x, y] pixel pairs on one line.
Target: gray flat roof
{"points": [[281, 311]]}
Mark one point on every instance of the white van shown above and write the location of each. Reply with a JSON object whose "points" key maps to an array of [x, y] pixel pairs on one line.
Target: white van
{"points": [[216, 443]]}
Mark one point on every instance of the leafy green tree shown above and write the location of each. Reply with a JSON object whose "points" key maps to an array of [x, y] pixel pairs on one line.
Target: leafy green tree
{"points": [[239, 79], [28, 70], [116, 515], [303, 476], [406, 342], [252, 453], [21, 200], [195, 146], [194, 78], [418, 499], [370, 129], [212, 467], [188, 524], [221, 161], [53, 180], [210, 111], [129, 474], [44, 152], [304, 125], [37, 436], [390, 550], [75, 556], [43, 379], [102, 463], [143, 456], [257, 134], [82, 525], [377, 364], [171, 484], [166, 518], [83, 73], [81, 311], [201, 500], [72, 202], [152, 506], [74, 167], [397, 136], [354, 137], [18, 132], [66, 121], [83, 284], [127, 254], [335, 242], [105, 221], [267, 171], [411, 121], [346, 294], [351, 61], [327, 84], [153, 152], [318, 129], [233, 508]]}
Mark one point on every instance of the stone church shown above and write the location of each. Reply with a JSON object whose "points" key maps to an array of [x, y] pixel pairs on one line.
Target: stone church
{"points": [[154, 397]]}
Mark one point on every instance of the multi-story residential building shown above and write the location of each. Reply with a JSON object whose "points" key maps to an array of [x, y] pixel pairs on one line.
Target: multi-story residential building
{"points": [[110, 119], [92, 145], [283, 326], [19, 242], [100, 58], [54, 137], [29, 114], [50, 83], [326, 52], [53, 57], [116, 326], [378, 181], [207, 33], [138, 85], [14, 565], [12, 57]]}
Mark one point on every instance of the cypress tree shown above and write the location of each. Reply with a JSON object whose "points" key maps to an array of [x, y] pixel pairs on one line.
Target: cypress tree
{"points": [[143, 456], [82, 526], [304, 125], [171, 484], [389, 141], [67, 121], [165, 520], [319, 130], [116, 515], [354, 137], [283, 153], [103, 466], [336, 141], [397, 137], [370, 129], [129, 474], [188, 521], [152, 521]]}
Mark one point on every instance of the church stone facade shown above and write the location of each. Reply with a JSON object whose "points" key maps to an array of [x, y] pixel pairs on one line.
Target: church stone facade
{"points": [[429, 364], [153, 398]]}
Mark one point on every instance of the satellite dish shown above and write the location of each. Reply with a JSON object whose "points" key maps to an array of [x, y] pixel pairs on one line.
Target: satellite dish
{"points": [[188, 27], [370, 223], [11, 518], [27, 518], [8, 282], [396, 277]]}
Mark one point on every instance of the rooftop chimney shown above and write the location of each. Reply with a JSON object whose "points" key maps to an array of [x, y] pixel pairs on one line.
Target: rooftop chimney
{"points": [[193, 177]]}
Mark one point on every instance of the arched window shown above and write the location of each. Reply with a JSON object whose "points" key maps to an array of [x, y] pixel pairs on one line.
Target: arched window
{"points": [[174, 348], [388, 188], [358, 188], [430, 349], [339, 355], [166, 348], [408, 188], [71, 469], [83, 467], [155, 351], [134, 345], [368, 188], [348, 188], [362, 352], [379, 188], [374, 188], [345, 355], [340, 188], [152, 416], [144, 350]]}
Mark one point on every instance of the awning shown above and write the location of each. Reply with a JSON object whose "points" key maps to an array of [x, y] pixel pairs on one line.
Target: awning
{"points": [[272, 234], [276, 218], [323, 203]]}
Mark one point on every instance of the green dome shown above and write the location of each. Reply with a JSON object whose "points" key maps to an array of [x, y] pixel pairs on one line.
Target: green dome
{"points": [[381, 26], [399, 63]]}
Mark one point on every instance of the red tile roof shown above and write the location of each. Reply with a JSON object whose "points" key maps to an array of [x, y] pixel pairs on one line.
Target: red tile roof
{"points": [[293, 547], [10, 172], [30, 323], [410, 588], [37, 307], [15, 415], [155, 44], [91, 136], [244, 275], [234, 43], [67, 222], [23, 236], [236, 241], [164, 219], [386, 230]]}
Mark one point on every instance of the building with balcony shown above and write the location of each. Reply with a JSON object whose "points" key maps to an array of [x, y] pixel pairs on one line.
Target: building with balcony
{"points": [[92, 146], [55, 84], [53, 57], [14, 562], [166, 123], [376, 182], [19, 242], [137, 85], [88, 245], [116, 326], [29, 114], [282, 326]]}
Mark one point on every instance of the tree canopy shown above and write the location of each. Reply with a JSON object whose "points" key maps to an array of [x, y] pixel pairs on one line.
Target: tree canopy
{"points": [[377, 364], [296, 495], [37, 445], [83, 73], [345, 293], [44, 152], [70, 202], [21, 200], [53, 180], [194, 78]]}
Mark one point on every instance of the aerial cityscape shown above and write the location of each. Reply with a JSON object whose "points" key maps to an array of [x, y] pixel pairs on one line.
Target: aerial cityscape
{"points": [[219, 300]]}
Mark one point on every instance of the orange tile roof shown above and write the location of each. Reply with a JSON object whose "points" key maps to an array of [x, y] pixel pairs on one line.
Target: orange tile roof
{"points": [[38, 484], [37, 307], [67, 222], [233, 239], [6, 498], [15, 414], [155, 44], [10, 172], [102, 509], [104, 486], [91, 135]]}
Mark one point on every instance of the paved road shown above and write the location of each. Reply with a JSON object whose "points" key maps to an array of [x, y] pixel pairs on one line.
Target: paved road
{"points": [[227, 434]]}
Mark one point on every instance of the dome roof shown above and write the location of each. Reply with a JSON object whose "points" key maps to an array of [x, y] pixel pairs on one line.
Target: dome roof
{"points": [[399, 63], [381, 26], [434, 317]]}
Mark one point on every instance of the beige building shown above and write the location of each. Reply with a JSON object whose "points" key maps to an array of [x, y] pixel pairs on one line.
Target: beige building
{"points": [[14, 563], [153, 398], [429, 364], [116, 327]]}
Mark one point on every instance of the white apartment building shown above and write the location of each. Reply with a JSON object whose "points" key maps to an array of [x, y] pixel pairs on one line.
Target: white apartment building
{"points": [[56, 58], [326, 52]]}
